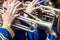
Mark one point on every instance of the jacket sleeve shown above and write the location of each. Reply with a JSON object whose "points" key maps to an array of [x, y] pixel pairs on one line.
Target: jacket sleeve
{"points": [[6, 33]]}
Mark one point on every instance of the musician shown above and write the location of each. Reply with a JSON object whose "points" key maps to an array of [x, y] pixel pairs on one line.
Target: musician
{"points": [[6, 33]]}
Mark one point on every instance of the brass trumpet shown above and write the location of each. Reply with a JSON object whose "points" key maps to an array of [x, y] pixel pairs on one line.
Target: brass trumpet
{"points": [[47, 25]]}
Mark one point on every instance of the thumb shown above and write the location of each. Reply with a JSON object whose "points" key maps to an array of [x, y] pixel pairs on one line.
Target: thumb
{"points": [[35, 8]]}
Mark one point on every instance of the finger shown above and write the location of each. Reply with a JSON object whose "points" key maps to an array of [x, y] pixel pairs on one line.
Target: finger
{"points": [[16, 15], [35, 8], [11, 10], [14, 1], [14, 11], [17, 5], [30, 5], [8, 9], [34, 3]]}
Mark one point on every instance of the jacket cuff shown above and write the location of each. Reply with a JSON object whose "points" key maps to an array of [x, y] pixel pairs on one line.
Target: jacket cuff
{"points": [[9, 30], [53, 33]]}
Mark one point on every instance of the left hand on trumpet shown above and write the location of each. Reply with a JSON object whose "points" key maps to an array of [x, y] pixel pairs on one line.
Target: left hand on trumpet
{"points": [[11, 13]]}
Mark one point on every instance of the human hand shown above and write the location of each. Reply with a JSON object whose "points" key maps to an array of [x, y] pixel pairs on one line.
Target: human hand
{"points": [[11, 13], [31, 7]]}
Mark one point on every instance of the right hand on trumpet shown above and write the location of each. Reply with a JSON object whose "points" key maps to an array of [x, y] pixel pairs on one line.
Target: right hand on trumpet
{"points": [[31, 7], [11, 13]]}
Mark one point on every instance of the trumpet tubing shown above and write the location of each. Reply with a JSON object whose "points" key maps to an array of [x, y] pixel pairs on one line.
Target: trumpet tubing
{"points": [[24, 27], [58, 10], [19, 26], [47, 25]]}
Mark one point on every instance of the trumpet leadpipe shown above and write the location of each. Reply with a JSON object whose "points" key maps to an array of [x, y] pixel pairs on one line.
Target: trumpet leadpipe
{"points": [[58, 10]]}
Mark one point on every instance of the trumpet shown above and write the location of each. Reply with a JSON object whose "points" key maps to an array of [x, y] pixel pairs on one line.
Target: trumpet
{"points": [[44, 24], [47, 25]]}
